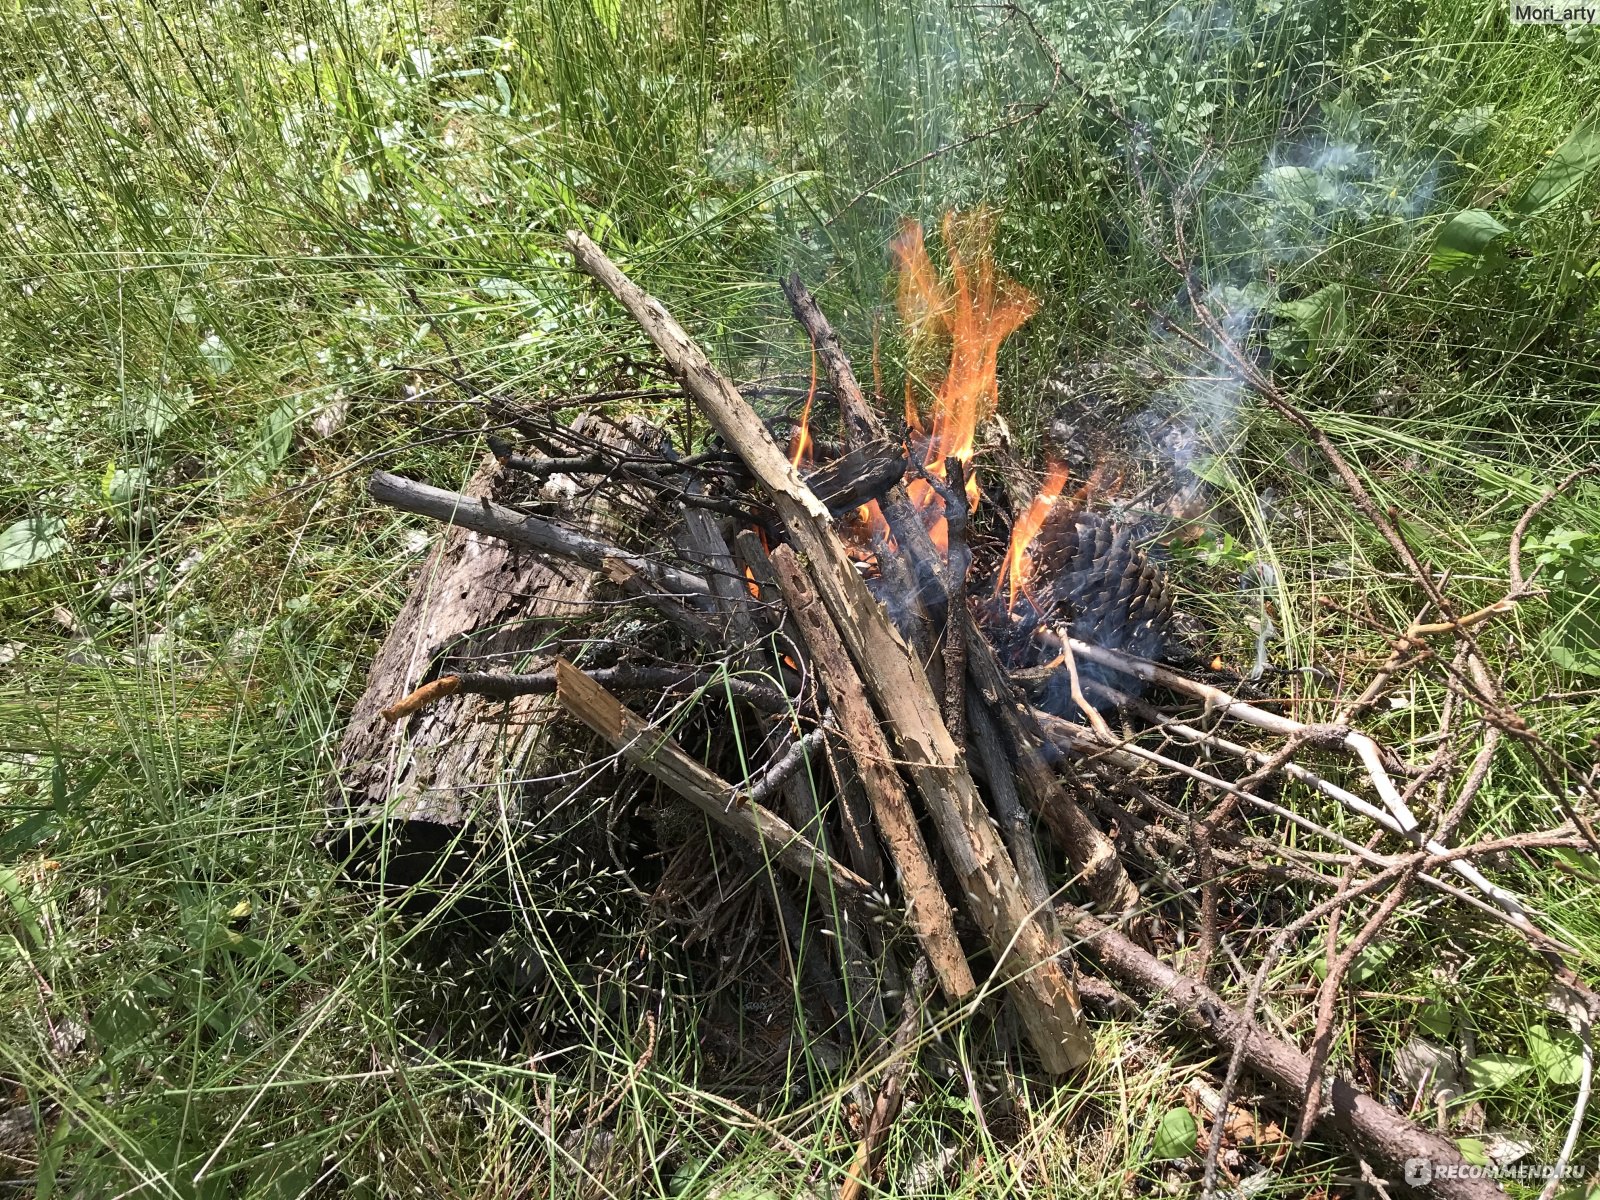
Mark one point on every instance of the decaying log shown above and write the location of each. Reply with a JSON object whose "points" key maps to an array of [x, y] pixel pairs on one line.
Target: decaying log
{"points": [[652, 751], [927, 910], [1356, 1118], [475, 597], [1023, 941]]}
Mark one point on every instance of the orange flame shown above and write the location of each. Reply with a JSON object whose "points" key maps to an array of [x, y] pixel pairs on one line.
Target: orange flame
{"points": [[976, 311], [1026, 528], [800, 440]]}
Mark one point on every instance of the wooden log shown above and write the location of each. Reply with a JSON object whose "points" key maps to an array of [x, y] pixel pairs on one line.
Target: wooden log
{"points": [[1368, 1127], [1026, 954], [1092, 854], [652, 751], [927, 910], [475, 595]]}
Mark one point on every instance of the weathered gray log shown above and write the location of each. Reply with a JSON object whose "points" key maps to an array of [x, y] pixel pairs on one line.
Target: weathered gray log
{"points": [[476, 598]]}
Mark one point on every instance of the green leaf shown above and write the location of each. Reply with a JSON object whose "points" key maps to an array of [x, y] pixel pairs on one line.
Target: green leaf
{"points": [[1435, 1017], [1497, 1070], [217, 353], [122, 486], [1578, 660], [1557, 1053], [1301, 187], [22, 906], [1368, 963], [1176, 1136], [153, 410], [1321, 319], [1464, 240], [1474, 1151], [1568, 167], [1586, 864], [31, 540]]}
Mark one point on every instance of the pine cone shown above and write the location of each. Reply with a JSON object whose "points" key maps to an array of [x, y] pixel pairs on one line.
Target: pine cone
{"points": [[1091, 577]]}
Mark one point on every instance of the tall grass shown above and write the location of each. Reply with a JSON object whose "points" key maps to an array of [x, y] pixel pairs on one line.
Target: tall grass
{"points": [[232, 230]]}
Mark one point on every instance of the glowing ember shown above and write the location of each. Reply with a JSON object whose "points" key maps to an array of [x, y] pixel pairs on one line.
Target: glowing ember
{"points": [[974, 312], [1024, 531]]}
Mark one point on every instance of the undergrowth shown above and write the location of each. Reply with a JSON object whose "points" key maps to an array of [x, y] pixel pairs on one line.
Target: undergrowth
{"points": [[238, 238]]}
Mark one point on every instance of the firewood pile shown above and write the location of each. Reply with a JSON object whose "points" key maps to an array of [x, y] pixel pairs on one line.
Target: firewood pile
{"points": [[892, 698]]}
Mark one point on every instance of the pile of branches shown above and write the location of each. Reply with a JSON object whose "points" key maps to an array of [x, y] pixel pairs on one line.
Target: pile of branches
{"points": [[909, 768]]}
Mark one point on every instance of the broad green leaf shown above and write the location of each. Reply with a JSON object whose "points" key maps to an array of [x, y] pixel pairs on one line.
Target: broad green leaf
{"points": [[1474, 1151], [277, 433], [1557, 1053], [1578, 660], [217, 353], [1368, 963], [1321, 319], [1299, 186], [122, 486], [1497, 1070], [153, 409], [1435, 1017], [1568, 167], [22, 906], [1176, 1136], [1465, 239], [31, 540], [1586, 864]]}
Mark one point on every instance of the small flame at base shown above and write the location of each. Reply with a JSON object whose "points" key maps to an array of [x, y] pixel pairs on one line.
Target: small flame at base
{"points": [[1023, 531]]}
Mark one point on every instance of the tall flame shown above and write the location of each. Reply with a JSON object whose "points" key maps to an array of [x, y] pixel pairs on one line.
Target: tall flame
{"points": [[1023, 531], [974, 312]]}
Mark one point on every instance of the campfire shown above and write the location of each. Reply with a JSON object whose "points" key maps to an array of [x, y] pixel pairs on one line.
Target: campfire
{"points": [[916, 661]]}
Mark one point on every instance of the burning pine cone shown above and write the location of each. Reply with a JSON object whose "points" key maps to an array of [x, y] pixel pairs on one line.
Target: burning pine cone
{"points": [[1090, 577]]}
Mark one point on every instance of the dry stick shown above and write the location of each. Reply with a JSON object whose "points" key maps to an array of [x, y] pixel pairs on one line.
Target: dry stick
{"points": [[1091, 852], [926, 907], [786, 766], [1025, 950], [990, 753], [892, 1092], [1585, 1088], [958, 560], [1084, 741], [495, 520], [1366, 1124], [542, 683], [657, 754], [1399, 818]]}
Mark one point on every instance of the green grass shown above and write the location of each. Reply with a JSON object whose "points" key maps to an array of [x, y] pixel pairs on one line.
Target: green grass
{"points": [[232, 231]]}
